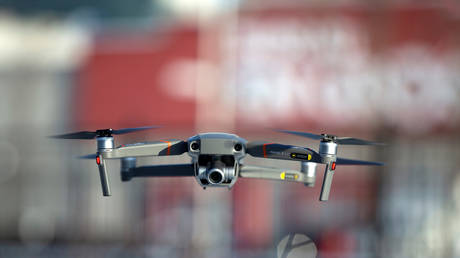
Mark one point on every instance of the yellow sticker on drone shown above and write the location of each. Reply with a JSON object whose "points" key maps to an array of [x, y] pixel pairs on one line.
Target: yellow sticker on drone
{"points": [[283, 175], [289, 176], [309, 157]]}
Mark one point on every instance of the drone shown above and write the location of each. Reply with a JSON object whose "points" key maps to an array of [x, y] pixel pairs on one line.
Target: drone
{"points": [[216, 158]]}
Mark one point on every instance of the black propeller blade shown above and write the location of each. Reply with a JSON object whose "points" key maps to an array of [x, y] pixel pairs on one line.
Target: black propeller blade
{"points": [[281, 151], [134, 129], [355, 141], [302, 134], [342, 161], [88, 135], [89, 156], [83, 135], [339, 140]]}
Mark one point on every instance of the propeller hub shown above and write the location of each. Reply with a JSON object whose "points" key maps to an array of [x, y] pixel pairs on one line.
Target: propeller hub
{"points": [[104, 132], [328, 137]]}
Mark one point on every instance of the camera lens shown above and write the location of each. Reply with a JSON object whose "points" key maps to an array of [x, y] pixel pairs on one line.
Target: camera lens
{"points": [[215, 176], [238, 147], [194, 146]]}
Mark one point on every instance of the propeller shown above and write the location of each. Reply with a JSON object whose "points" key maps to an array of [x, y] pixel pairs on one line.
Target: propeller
{"points": [[282, 151], [88, 135], [89, 156], [342, 161], [329, 137]]}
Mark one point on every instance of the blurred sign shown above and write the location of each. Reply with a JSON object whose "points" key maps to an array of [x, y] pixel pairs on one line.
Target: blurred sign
{"points": [[354, 67]]}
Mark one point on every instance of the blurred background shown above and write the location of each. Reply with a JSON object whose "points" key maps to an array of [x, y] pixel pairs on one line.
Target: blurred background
{"points": [[379, 70]]}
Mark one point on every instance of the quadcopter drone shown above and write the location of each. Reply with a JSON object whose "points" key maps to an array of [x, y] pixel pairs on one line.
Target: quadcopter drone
{"points": [[217, 158]]}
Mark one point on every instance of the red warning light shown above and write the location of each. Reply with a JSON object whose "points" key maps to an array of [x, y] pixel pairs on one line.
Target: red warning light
{"points": [[333, 166], [98, 160]]}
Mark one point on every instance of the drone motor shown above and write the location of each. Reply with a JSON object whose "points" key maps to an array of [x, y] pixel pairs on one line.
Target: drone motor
{"points": [[327, 151]]}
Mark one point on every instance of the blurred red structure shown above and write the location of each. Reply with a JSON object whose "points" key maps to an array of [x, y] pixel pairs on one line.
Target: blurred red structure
{"points": [[121, 82]]}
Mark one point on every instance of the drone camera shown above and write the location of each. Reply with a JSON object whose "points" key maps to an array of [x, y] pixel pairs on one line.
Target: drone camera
{"points": [[216, 170], [216, 176]]}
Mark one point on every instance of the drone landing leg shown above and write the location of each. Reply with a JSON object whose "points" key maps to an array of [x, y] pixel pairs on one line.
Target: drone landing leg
{"points": [[327, 181], [103, 175]]}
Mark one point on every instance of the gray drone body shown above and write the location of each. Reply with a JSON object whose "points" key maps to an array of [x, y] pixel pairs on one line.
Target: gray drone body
{"points": [[216, 158]]}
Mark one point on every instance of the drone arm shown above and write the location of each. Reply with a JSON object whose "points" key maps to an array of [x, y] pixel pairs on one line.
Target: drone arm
{"points": [[260, 149], [174, 170], [272, 173], [160, 148]]}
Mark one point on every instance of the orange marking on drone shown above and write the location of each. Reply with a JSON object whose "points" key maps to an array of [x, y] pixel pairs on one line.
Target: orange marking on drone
{"points": [[264, 149], [169, 147], [333, 166]]}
